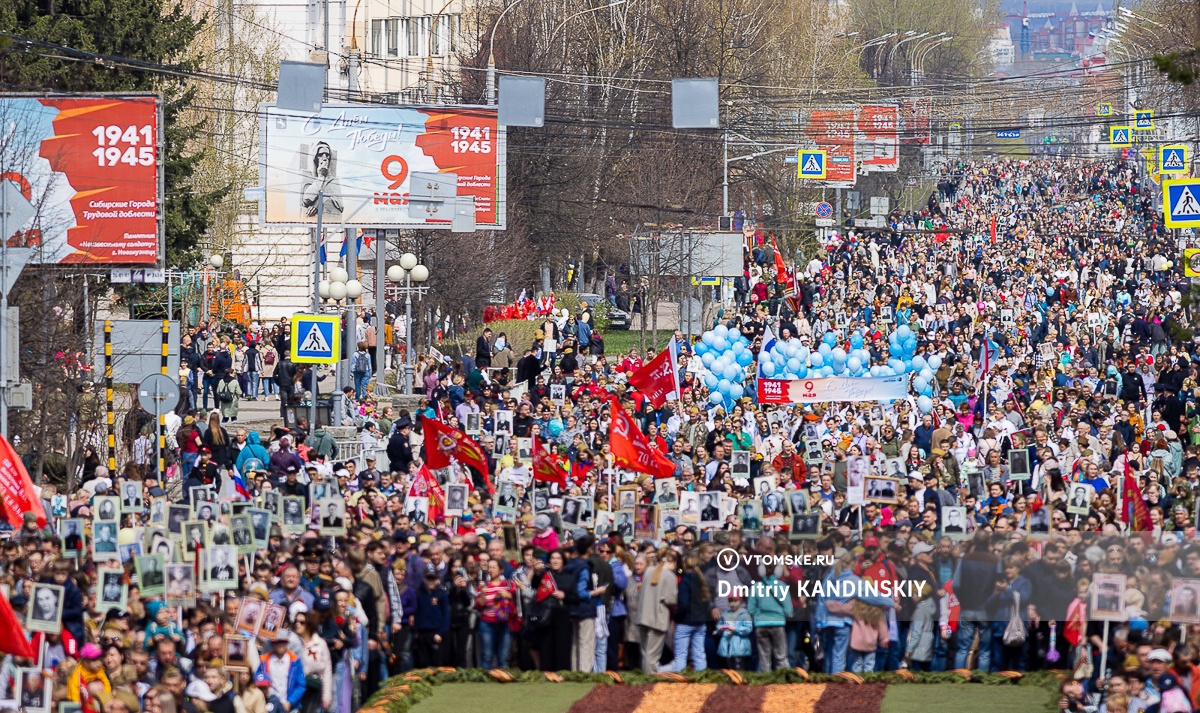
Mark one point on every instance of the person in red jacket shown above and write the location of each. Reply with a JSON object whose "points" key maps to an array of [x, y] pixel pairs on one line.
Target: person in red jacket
{"points": [[790, 464]]}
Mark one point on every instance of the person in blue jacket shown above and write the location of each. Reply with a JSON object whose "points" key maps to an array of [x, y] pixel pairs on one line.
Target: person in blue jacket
{"points": [[284, 670], [252, 450]]}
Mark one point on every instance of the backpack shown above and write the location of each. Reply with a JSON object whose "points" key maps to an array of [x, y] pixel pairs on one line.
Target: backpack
{"points": [[269, 357], [361, 364], [224, 394]]}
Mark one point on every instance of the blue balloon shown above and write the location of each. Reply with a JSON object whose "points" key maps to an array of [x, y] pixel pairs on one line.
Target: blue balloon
{"points": [[802, 372], [779, 358], [736, 391], [918, 362], [737, 347], [802, 353], [701, 349], [745, 358], [817, 360], [903, 332], [711, 380], [925, 404], [734, 372], [720, 330], [839, 355], [856, 341], [720, 344], [768, 369], [793, 365], [830, 338], [716, 397], [854, 364], [875, 370], [927, 391], [927, 374], [707, 338], [707, 359], [935, 362], [554, 427], [920, 383], [825, 350], [827, 371]]}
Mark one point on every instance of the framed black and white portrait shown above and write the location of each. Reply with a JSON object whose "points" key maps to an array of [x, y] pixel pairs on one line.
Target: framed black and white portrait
{"points": [[45, 609]]}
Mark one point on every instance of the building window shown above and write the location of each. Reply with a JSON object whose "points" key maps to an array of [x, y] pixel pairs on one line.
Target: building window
{"points": [[414, 37], [377, 38], [393, 37], [435, 36]]}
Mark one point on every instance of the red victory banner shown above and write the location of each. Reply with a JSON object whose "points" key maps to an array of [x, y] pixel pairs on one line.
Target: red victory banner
{"points": [[658, 379], [442, 442], [546, 466], [632, 450]]}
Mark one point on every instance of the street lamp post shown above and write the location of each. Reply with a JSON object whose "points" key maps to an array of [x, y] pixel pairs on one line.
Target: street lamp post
{"points": [[338, 287], [491, 67], [408, 272]]}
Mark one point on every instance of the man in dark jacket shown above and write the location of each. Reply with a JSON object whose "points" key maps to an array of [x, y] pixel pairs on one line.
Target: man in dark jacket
{"points": [[483, 349], [399, 448], [285, 375], [974, 582], [432, 621], [583, 613]]}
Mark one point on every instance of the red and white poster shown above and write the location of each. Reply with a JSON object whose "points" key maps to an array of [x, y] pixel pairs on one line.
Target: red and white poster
{"points": [[881, 143], [90, 168], [357, 161], [914, 121], [833, 131]]}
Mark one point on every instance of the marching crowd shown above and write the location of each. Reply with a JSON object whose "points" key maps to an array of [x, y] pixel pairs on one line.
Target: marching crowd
{"points": [[1040, 507]]}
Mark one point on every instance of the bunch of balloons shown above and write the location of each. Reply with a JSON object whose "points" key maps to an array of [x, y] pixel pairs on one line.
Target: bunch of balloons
{"points": [[726, 354], [792, 360]]}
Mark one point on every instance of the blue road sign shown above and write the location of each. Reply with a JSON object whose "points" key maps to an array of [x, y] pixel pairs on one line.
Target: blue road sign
{"points": [[1009, 134], [1181, 203], [824, 210], [1172, 159], [811, 164], [1143, 120], [316, 338]]}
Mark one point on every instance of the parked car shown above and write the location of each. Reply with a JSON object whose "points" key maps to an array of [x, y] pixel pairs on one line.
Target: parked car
{"points": [[617, 319]]}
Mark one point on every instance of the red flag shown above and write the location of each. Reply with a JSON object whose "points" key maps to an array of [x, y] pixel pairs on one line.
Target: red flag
{"points": [[780, 267], [630, 448], [16, 489], [12, 635], [442, 442], [658, 378], [425, 485], [992, 230], [546, 466], [1134, 511]]}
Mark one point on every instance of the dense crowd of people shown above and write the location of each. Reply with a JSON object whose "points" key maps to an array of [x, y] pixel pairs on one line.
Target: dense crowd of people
{"points": [[1039, 509]]}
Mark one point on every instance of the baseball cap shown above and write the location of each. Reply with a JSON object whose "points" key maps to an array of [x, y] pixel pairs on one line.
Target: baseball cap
{"points": [[922, 548], [870, 541], [1159, 655]]}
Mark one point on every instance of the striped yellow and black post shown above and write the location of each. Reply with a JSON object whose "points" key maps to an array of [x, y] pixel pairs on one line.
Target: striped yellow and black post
{"points": [[109, 416], [162, 419]]}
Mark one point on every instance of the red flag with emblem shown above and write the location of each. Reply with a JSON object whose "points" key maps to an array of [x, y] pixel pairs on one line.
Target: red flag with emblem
{"points": [[425, 485], [632, 450], [658, 379], [443, 442], [546, 466]]}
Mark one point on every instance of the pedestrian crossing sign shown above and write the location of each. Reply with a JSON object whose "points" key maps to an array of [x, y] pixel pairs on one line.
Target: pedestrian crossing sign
{"points": [[1119, 136], [1143, 120], [316, 339], [1173, 159], [811, 164], [1104, 109], [1181, 203]]}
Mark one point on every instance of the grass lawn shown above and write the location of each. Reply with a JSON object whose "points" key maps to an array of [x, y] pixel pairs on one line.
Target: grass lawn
{"points": [[953, 698], [503, 698], [620, 341]]}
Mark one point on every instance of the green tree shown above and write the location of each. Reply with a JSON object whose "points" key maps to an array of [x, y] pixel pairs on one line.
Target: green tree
{"points": [[149, 33]]}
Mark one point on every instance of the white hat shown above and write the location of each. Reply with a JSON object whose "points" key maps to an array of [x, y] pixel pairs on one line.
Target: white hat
{"points": [[296, 608], [921, 548]]}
